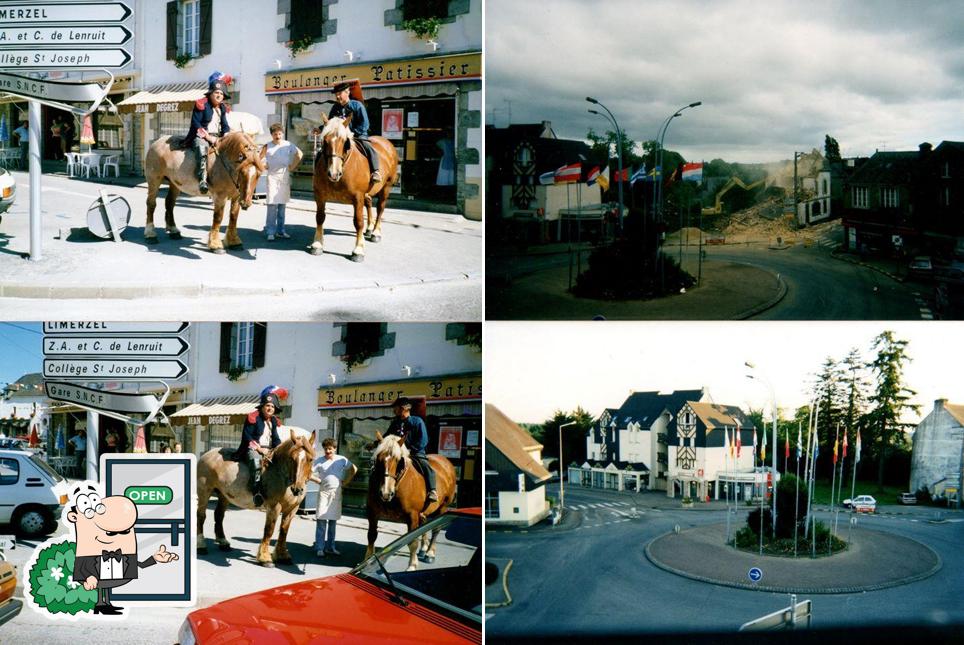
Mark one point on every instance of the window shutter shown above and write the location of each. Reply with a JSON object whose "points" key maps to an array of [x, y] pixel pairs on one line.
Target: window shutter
{"points": [[225, 361], [260, 341], [171, 30], [204, 43]]}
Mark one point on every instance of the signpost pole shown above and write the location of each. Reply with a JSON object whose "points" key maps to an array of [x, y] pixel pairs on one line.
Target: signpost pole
{"points": [[93, 434], [33, 135]]}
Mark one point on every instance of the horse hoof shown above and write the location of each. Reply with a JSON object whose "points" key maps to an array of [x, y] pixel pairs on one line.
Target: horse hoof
{"points": [[429, 559], [315, 250], [217, 251], [375, 239], [357, 258], [224, 547], [368, 236], [150, 240], [268, 564], [176, 235]]}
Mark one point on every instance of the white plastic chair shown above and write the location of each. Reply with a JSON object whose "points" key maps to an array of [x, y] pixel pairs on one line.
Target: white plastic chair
{"points": [[90, 163], [73, 163], [111, 161]]}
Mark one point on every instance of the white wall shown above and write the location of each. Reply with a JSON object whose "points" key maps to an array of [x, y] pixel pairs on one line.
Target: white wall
{"points": [[532, 506], [635, 446]]}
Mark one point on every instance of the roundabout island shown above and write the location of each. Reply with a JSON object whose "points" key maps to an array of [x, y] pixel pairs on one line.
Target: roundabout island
{"points": [[872, 560]]}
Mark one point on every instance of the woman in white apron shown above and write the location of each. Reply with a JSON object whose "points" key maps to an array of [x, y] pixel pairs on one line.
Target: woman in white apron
{"points": [[282, 158], [335, 472]]}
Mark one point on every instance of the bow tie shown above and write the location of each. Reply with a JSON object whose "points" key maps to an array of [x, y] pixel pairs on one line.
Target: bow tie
{"points": [[106, 555]]}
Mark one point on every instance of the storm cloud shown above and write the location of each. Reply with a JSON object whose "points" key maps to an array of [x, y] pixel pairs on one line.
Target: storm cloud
{"points": [[773, 77]]}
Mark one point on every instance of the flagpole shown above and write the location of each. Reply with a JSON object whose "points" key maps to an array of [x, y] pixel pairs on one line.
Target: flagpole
{"points": [[764, 487], [726, 469], [853, 486], [813, 480], [796, 499], [833, 481], [812, 432], [836, 505]]}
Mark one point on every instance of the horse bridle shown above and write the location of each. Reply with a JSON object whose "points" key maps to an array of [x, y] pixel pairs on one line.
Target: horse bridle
{"points": [[224, 164], [343, 156]]}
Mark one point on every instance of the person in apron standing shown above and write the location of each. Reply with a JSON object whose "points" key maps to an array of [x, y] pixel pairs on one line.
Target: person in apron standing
{"points": [[282, 158], [335, 472]]}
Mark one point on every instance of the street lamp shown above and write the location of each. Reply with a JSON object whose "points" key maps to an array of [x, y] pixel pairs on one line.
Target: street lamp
{"points": [[773, 451], [619, 152], [562, 490], [658, 188]]}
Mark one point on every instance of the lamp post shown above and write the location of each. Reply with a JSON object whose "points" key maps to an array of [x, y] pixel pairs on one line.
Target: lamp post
{"points": [[619, 152], [562, 489], [773, 451]]}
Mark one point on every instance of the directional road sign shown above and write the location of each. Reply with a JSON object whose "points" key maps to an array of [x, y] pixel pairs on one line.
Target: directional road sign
{"points": [[71, 36], [26, 13], [114, 346], [86, 58], [755, 574], [100, 327], [99, 369], [33, 88], [100, 400]]}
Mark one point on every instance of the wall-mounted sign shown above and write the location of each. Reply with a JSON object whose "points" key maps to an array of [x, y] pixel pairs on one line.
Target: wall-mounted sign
{"points": [[434, 69], [435, 390]]}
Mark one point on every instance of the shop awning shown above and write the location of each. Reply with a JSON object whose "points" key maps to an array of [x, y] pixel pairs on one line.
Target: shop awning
{"points": [[219, 411], [170, 97], [396, 92]]}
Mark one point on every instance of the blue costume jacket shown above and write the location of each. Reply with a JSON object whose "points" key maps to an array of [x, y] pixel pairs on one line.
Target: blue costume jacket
{"points": [[201, 117], [253, 429], [359, 120], [413, 430]]}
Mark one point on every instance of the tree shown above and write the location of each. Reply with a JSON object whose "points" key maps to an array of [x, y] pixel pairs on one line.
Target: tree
{"points": [[831, 149], [574, 437], [855, 391], [890, 399], [829, 395], [604, 146]]}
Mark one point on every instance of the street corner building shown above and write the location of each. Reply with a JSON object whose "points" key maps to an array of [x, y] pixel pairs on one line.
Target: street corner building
{"points": [[515, 479], [938, 452], [423, 92], [679, 442]]}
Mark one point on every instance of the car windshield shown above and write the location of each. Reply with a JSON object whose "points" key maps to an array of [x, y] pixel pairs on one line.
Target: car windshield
{"points": [[44, 466], [452, 582]]}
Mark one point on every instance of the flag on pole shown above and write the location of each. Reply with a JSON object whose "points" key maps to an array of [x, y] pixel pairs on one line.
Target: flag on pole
{"points": [[639, 175], [763, 450], [730, 443], [593, 176], [799, 444], [621, 176], [857, 452], [845, 444], [568, 174], [754, 443], [835, 440], [738, 442], [693, 172], [786, 451], [726, 439], [654, 174], [547, 178], [603, 179]]}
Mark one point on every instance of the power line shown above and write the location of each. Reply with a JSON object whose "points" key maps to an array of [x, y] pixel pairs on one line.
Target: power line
{"points": [[27, 329]]}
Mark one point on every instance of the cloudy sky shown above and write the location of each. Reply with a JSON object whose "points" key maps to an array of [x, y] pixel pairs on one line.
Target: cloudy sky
{"points": [[773, 76], [533, 369]]}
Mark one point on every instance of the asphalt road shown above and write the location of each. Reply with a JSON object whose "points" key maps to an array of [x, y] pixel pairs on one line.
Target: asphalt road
{"points": [[596, 578], [428, 266]]}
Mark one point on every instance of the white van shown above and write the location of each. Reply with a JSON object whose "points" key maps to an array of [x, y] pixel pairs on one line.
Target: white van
{"points": [[32, 494]]}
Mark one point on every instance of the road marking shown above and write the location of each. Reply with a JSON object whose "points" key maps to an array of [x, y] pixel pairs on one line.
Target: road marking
{"points": [[65, 192]]}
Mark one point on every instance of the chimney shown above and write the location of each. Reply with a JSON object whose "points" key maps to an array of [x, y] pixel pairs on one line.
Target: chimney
{"points": [[940, 403], [925, 150]]}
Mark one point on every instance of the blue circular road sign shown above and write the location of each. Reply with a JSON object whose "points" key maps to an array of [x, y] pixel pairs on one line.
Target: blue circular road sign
{"points": [[755, 574]]}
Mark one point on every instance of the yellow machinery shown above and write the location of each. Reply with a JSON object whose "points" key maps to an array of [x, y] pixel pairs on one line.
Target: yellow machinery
{"points": [[734, 181]]}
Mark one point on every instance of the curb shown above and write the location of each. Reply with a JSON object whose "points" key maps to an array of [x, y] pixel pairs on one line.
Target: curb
{"points": [[838, 255], [780, 589], [505, 588], [759, 309]]}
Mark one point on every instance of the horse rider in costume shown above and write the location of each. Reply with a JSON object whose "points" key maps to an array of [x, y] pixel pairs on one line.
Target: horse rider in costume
{"points": [[258, 438], [413, 431], [348, 102], [209, 122]]}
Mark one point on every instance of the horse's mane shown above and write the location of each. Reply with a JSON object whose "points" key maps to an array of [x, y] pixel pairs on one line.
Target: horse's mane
{"points": [[336, 126], [235, 142], [391, 446]]}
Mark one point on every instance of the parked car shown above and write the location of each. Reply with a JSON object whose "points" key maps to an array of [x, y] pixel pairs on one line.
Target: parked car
{"points": [[8, 190], [907, 498], [862, 504], [9, 606], [921, 266], [33, 493], [377, 601], [8, 443]]}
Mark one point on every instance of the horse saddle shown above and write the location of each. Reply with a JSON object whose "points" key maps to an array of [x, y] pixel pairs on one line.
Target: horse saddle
{"points": [[178, 142]]}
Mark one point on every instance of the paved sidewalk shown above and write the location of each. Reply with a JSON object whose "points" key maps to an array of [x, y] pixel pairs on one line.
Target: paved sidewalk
{"points": [[873, 560]]}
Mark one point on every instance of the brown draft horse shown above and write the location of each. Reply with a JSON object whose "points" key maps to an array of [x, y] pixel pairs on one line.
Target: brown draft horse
{"points": [[284, 479], [233, 173], [396, 491], [342, 175]]}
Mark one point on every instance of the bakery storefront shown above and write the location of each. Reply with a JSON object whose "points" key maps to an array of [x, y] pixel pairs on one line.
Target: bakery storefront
{"points": [[450, 405], [425, 106]]}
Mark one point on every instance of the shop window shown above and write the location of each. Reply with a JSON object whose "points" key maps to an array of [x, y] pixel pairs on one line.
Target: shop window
{"points": [[173, 123], [491, 504], [9, 471], [306, 19], [242, 346], [109, 130], [223, 437], [465, 334], [361, 341], [188, 28]]}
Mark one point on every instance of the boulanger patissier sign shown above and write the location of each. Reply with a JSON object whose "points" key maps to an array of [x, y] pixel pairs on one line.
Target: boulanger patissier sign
{"points": [[466, 387]]}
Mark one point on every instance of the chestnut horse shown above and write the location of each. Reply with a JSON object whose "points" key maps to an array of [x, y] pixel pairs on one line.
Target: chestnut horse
{"points": [[233, 172], [341, 174], [284, 479], [396, 491]]}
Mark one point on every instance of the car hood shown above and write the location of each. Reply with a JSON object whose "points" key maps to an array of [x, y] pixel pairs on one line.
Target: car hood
{"points": [[341, 608]]}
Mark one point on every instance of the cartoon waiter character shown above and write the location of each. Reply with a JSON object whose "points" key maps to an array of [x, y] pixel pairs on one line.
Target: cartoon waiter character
{"points": [[106, 555]]}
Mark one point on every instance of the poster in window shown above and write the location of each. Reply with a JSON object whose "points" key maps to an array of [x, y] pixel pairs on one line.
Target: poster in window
{"points": [[472, 438], [450, 442], [392, 123], [413, 119]]}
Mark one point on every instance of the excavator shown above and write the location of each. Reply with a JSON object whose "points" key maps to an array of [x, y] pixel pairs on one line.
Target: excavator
{"points": [[734, 181]]}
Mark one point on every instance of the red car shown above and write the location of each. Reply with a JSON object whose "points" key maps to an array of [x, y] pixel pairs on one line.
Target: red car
{"points": [[377, 601]]}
